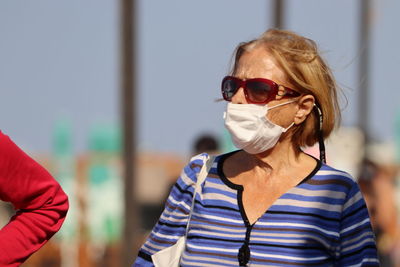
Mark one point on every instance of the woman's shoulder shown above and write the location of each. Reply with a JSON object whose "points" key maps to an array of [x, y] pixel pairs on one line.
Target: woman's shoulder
{"points": [[328, 176], [191, 170], [197, 161]]}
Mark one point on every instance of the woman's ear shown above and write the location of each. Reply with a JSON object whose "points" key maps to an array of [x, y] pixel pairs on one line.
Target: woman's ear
{"points": [[305, 106]]}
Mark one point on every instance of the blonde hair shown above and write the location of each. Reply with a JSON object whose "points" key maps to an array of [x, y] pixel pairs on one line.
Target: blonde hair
{"points": [[305, 69]]}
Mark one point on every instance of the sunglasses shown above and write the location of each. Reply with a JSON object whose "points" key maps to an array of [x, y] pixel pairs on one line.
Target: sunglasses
{"points": [[256, 91]]}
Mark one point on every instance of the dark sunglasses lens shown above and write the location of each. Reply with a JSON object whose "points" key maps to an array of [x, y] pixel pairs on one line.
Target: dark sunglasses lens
{"points": [[258, 91], [229, 88]]}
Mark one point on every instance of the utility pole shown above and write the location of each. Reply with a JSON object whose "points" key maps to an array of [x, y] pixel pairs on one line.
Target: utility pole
{"points": [[278, 8], [128, 79], [363, 72]]}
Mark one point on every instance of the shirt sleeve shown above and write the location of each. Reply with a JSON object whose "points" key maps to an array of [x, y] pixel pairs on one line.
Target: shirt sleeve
{"points": [[173, 220], [39, 200], [357, 240]]}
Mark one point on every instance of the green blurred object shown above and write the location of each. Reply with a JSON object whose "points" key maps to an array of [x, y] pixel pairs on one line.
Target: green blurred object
{"points": [[105, 138], [62, 144], [113, 229], [105, 184], [98, 174]]}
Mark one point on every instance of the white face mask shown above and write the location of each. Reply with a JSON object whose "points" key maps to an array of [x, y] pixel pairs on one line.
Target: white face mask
{"points": [[250, 129]]}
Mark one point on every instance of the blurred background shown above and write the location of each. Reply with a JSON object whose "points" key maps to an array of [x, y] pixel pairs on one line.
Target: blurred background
{"points": [[113, 97]]}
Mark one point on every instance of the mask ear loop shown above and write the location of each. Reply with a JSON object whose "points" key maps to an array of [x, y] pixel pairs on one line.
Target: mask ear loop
{"points": [[322, 153]]}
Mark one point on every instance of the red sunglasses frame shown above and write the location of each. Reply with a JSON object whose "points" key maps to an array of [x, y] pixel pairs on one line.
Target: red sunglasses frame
{"points": [[270, 94]]}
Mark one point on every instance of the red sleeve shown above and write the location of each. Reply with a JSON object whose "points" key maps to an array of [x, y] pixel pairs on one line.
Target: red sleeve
{"points": [[40, 202]]}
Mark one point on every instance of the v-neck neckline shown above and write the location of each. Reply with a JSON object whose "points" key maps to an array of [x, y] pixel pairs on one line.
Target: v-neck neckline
{"points": [[240, 188]]}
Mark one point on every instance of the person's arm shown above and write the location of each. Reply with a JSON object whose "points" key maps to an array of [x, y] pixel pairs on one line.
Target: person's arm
{"points": [[172, 223], [39, 200], [357, 240]]}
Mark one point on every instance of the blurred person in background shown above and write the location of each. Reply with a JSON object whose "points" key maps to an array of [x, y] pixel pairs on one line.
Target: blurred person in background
{"points": [[206, 143], [377, 183], [40, 202], [270, 203]]}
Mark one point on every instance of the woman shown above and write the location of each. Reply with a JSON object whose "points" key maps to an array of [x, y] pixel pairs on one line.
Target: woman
{"points": [[270, 204], [40, 202]]}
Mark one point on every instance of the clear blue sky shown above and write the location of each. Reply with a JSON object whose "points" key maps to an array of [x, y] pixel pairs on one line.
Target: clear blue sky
{"points": [[59, 59]]}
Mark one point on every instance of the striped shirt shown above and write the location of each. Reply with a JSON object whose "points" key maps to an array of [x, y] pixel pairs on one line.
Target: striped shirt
{"points": [[323, 221]]}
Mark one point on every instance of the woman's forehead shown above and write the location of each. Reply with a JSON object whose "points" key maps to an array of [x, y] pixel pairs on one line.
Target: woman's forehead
{"points": [[259, 63]]}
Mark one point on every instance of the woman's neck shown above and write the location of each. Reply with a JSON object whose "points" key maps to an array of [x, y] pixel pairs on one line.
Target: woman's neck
{"points": [[281, 157]]}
